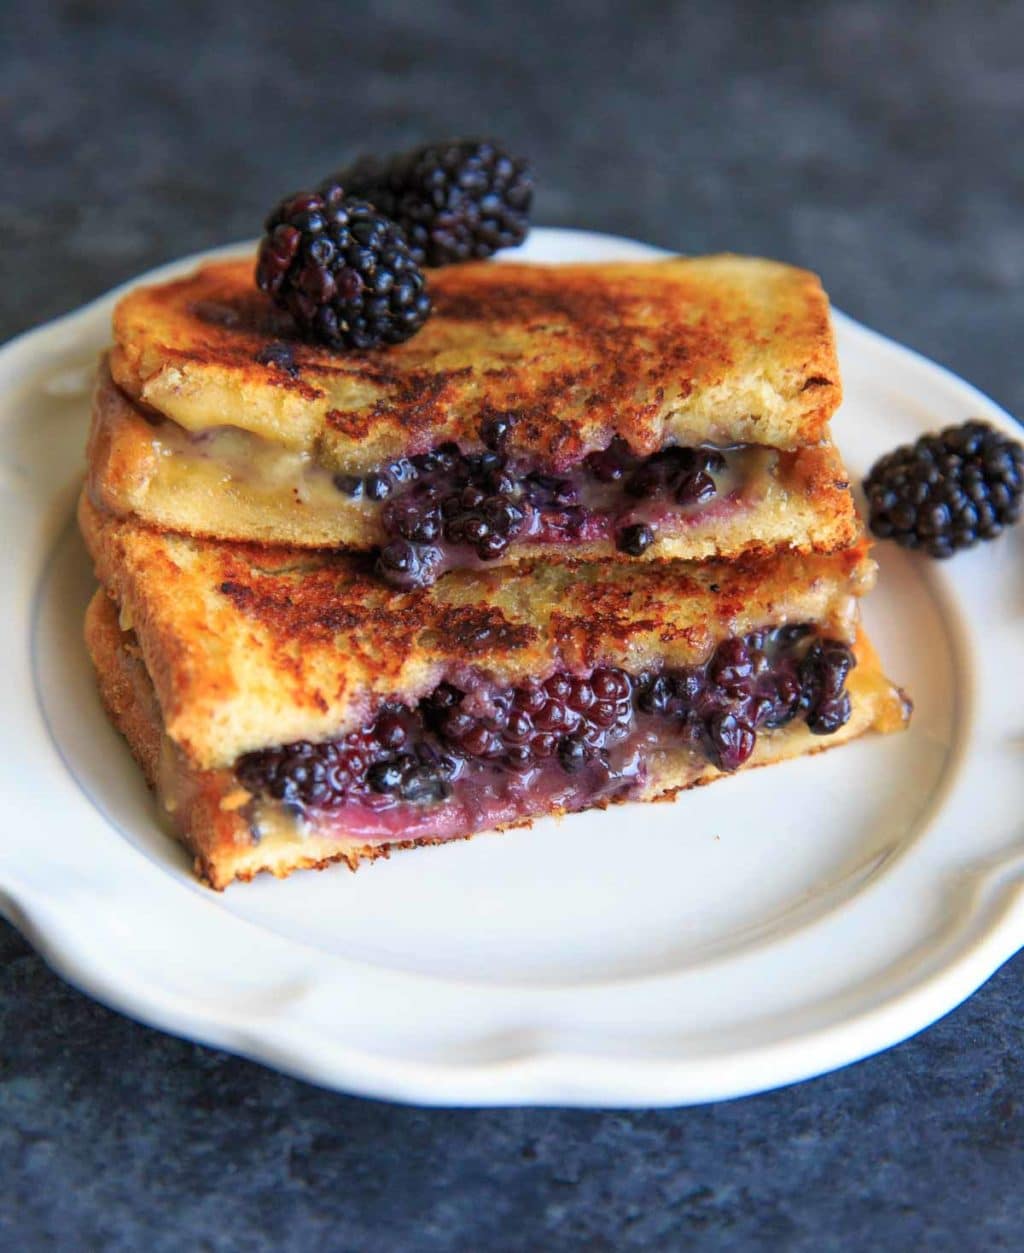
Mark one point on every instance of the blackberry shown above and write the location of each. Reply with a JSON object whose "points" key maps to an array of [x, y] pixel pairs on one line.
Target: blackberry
{"points": [[456, 201], [455, 500], [947, 491], [822, 676], [444, 500], [568, 717], [487, 521], [684, 473], [394, 757], [764, 679], [317, 776], [417, 777], [342, 270]]}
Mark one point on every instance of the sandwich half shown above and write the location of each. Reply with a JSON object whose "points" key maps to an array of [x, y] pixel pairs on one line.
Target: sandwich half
{"points": [[290, 711], [668, 409]]}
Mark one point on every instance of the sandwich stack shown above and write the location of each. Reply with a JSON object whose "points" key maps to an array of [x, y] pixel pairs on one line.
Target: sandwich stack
{"points": [[583, 539]]}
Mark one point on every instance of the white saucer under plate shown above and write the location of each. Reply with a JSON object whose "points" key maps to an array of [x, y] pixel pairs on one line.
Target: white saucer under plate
{"points": [[766, 929]]}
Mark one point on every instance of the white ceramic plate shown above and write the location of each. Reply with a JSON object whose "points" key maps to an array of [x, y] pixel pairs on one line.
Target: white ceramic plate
{"points": [[774, 926]]}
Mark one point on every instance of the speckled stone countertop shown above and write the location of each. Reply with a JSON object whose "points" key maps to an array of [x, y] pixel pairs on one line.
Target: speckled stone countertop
{"points": [[881, 144]]}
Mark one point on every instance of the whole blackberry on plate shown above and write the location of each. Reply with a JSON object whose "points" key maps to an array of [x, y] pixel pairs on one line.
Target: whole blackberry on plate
{"points": [[947, 491], [342, 270], [456, 201]]}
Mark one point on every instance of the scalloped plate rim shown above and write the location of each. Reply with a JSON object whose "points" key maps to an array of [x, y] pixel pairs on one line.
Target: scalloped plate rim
{"points": [[535, 1067]]}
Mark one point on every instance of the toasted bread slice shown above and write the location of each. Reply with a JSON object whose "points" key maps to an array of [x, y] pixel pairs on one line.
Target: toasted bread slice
{"points": [[722, 350], [250, 646], [216, 821], [231, 484]]}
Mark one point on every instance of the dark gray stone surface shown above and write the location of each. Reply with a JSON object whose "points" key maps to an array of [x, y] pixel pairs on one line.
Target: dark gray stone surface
{"points": [[881, 144]]}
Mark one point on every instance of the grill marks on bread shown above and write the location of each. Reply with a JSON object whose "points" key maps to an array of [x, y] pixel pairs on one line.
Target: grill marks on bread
{"points": [[710, 349]]}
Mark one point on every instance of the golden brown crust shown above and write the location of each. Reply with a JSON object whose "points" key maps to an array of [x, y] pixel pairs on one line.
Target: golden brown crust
{"points": [[720, 349], [132, 705], [206, 820], [250, 646], [200, 818], [254, 490]]}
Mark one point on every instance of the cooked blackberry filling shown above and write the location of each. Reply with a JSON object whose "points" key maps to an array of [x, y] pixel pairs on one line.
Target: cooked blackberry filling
{"points": [[445, 504], [596, 729]]}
